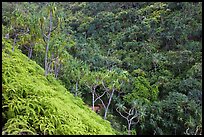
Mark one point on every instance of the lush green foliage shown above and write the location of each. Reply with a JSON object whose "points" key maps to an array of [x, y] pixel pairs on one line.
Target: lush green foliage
{"points": [[34, 104], [177, 113], [138, 57]]}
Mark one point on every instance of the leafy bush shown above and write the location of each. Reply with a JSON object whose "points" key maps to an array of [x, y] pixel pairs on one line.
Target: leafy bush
{"points": [[174, 115]]}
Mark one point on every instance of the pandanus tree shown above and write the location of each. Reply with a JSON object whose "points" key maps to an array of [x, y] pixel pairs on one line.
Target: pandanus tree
{"points": [[55, 37], [22, 27], [71, 74], [77, 73], [29, 40], [111, 82], [133, 104], [18, 25], [92, 80], [135, 111], [47, 28], [58, 52]]}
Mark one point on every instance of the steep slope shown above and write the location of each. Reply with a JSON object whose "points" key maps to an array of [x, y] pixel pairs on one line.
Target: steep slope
{"points": [[34, 104]]}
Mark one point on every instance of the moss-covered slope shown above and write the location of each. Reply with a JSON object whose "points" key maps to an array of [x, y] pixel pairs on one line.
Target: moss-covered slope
{"points": [[34, 104]]}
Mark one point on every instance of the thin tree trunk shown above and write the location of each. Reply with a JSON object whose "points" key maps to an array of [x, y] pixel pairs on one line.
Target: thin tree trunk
{"points": [[55, 67], [46, 63], [129, 121], [30, 52], [129, 124], [57, 71], [93, 97], [109, 101], [76, 89], [49, 67], [93, 101], [105, 114], [47, 46]]}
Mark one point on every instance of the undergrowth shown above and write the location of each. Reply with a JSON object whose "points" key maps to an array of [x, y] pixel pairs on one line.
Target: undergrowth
{"points": [[33, 104]]}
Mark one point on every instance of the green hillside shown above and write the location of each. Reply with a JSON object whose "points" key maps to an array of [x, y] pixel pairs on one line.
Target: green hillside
{"points": [[34, 104], [137, 64]]}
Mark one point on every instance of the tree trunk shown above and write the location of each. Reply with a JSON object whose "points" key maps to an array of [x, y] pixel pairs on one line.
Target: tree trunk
{"points": [[92, 100], [30, 52], [129, 124], [55, 67], [76, 89], [58, 68], [47, 46], [93, 97], [109, 101], [46, 63], [105, 114]]}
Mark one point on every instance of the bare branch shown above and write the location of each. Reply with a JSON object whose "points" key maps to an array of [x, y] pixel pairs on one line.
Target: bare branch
{"points": [[49, 64], [121, 114], [135, 122], [50, 26], [187, 131], [105, 86], [196, 130], [54, 28], [43, 33], [155, 132], [45, 36], [134, 117], [102, 103], [99, 96], [129, 112], [126, 111]]}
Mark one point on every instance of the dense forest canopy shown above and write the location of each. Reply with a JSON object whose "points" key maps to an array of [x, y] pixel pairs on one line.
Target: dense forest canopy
{"points": [[138, 65]]}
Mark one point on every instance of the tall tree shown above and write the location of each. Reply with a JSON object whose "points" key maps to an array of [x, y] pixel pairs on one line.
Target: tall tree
{"points": [[47, 30]]}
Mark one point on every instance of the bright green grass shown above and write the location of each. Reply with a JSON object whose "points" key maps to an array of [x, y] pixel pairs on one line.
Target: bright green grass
{"points": [[34, 104]]}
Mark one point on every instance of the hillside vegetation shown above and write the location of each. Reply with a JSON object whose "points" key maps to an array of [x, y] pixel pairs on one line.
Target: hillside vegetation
{"points": [[33, 104], [138, 65]]}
